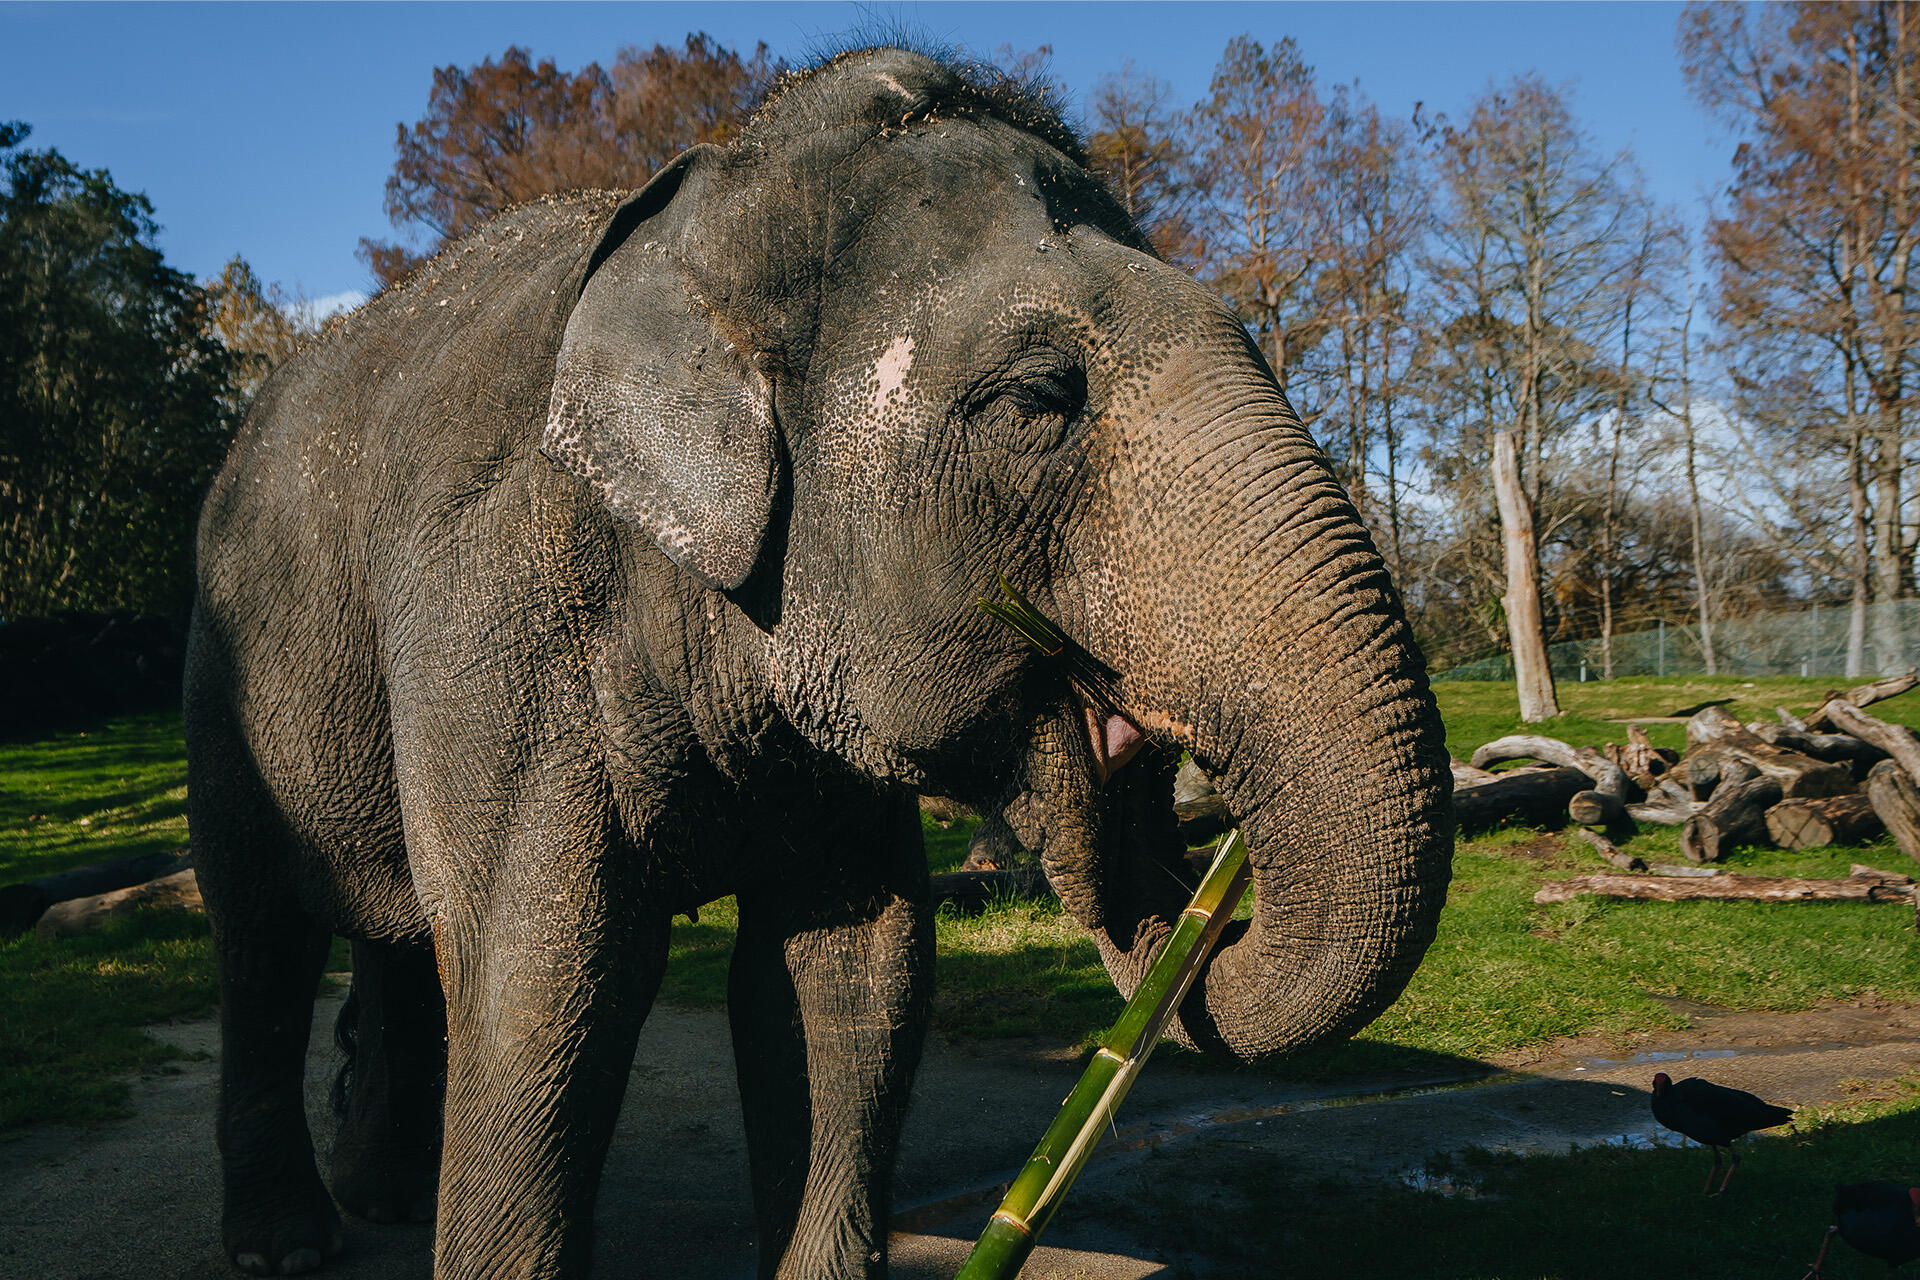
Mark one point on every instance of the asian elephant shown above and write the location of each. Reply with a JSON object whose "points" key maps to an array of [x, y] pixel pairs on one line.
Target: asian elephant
{"points": [[627, 556]]}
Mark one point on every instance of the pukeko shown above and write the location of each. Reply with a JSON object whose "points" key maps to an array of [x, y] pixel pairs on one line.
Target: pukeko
{"points": [[1880, 1219], [1712, 1115]]}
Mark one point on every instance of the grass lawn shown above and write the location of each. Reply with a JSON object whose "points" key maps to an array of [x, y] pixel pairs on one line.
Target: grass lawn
{"points": [[1503, 974]]}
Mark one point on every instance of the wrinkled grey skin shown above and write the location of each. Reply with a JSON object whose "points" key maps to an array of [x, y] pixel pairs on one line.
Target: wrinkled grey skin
{"points": [[627, 558]]}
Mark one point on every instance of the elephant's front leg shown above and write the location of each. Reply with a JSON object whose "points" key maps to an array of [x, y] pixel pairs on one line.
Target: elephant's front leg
{"points": [[828, 998], [547, 983]]}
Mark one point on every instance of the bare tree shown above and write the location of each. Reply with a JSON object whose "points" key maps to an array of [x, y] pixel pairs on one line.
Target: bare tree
{"points": [[1537, 258], [1820, 230], [1136, 144], [1369, 222], [1252, 141]]}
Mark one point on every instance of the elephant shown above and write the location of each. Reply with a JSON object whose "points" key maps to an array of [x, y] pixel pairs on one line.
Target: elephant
{"points": [[632, 547]]}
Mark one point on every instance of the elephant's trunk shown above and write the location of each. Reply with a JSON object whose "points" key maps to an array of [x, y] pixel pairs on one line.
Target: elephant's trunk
{"points": [[1258, 629]]}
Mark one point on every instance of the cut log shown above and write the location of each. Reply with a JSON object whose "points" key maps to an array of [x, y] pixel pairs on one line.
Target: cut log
{"points": [[1596, 809], [944, 811], [994, 847], [1814, 824], [1611, 852], [1860, 871], [22, 904], [1527, 797], [81, 915], [1736, 815], [971, 892], [1896, 740], [1896, 800], [1203, 815], [1863, 696], [1759, 888], [1687, 869], [1798, 775]]}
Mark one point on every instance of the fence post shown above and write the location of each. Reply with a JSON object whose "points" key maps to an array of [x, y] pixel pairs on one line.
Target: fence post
{"points": [[1663, 646]]}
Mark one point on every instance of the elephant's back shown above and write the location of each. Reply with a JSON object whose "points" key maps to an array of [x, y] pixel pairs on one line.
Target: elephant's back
{"points": [[393, 403], [380, 477]]}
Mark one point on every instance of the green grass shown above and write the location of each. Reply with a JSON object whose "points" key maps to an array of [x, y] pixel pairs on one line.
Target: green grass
{"points": [[112, 791], [72, 1010], [1503, 974], [1596, 1214]]}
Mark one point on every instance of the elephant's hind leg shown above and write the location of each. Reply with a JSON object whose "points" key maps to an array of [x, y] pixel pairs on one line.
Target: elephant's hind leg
{"points": [[277, 1217], [386, 1161]]}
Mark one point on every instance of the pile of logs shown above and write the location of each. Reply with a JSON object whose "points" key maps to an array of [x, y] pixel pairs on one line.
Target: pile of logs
{"points": [[1840, 776]]}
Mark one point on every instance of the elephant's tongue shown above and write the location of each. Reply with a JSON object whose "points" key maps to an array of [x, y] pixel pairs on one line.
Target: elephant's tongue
{"points": [[1114, 739]]}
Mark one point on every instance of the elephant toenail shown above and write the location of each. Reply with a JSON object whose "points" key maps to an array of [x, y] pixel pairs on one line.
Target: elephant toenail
{"points": [[299, 1262]]}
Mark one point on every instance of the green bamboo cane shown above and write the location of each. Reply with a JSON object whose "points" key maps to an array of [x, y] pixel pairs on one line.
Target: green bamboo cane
{"points": [[1069, 1142]]}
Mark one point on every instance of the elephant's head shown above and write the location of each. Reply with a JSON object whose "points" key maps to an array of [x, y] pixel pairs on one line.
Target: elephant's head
{"points": [[895, 341]]}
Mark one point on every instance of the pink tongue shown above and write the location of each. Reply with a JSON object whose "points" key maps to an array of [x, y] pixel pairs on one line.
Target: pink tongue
{"points": [[1115, 740]]}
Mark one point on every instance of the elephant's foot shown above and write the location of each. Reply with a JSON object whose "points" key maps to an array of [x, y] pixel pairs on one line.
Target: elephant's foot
{"points": [[286, 1235], [390, 1183]]}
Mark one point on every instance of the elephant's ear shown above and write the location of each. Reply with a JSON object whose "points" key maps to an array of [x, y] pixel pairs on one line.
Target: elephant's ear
{"points": [[652, 405]]}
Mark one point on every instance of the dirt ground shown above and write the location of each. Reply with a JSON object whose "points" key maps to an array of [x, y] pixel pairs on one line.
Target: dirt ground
{"points": [[140, 1197]]}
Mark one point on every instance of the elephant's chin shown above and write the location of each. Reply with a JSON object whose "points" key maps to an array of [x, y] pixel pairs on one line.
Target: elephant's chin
{"points": [[1102, 824]]}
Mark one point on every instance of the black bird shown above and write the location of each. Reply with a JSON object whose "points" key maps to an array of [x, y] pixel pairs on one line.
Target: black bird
{"points": [[1713, 1115], [1880, 1219]]}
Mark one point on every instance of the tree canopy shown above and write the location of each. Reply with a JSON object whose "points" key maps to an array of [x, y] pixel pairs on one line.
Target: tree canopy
{"points": [[505, 132], [116, 399]]}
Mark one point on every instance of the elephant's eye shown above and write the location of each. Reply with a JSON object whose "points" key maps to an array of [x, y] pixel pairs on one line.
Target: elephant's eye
{"points": [[1029, 406]]}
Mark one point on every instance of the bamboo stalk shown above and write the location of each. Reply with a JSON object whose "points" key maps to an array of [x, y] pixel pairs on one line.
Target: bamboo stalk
{"points": [[1069, 1141]]}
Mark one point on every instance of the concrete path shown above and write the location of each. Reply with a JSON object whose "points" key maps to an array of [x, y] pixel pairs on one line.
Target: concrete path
{"points": [[140, 1198]]}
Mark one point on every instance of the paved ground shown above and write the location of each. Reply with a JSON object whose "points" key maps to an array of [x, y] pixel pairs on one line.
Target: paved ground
{"points": [[139, 1198]]}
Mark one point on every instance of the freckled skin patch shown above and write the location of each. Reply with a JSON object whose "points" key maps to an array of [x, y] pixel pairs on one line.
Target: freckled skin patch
{"points": [[516, 655]]}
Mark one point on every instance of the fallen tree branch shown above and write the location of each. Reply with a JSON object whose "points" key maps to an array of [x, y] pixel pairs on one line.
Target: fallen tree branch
{"points": [[1611, 852], [1896, 740], [1755, 888], [1864, 695]]}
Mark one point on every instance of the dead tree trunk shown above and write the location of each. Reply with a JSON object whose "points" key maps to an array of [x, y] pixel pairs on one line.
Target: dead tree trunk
{"points": [[1896, 740], [1532, 675]]}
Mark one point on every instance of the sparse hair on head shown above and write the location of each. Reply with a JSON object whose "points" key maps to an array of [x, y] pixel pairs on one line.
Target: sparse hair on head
{"points": [[962, 86]]}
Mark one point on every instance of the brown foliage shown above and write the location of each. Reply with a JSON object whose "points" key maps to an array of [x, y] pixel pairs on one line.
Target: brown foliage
{"points": [[505, 132]]}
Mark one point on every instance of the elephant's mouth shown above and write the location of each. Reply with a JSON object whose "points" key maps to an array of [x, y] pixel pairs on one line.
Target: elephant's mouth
{"points": [[1113, 737]]}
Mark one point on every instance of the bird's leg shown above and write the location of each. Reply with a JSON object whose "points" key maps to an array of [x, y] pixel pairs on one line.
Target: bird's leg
{"points": [[1731, 1167], [1708, 1189], [1813, 1271]]}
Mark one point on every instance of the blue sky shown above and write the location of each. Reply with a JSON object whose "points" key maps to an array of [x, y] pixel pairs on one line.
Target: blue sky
{"points": [[267, 129]]}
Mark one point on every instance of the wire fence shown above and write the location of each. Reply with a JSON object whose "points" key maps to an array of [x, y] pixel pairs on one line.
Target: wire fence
{"points": [[1808, 642]]}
